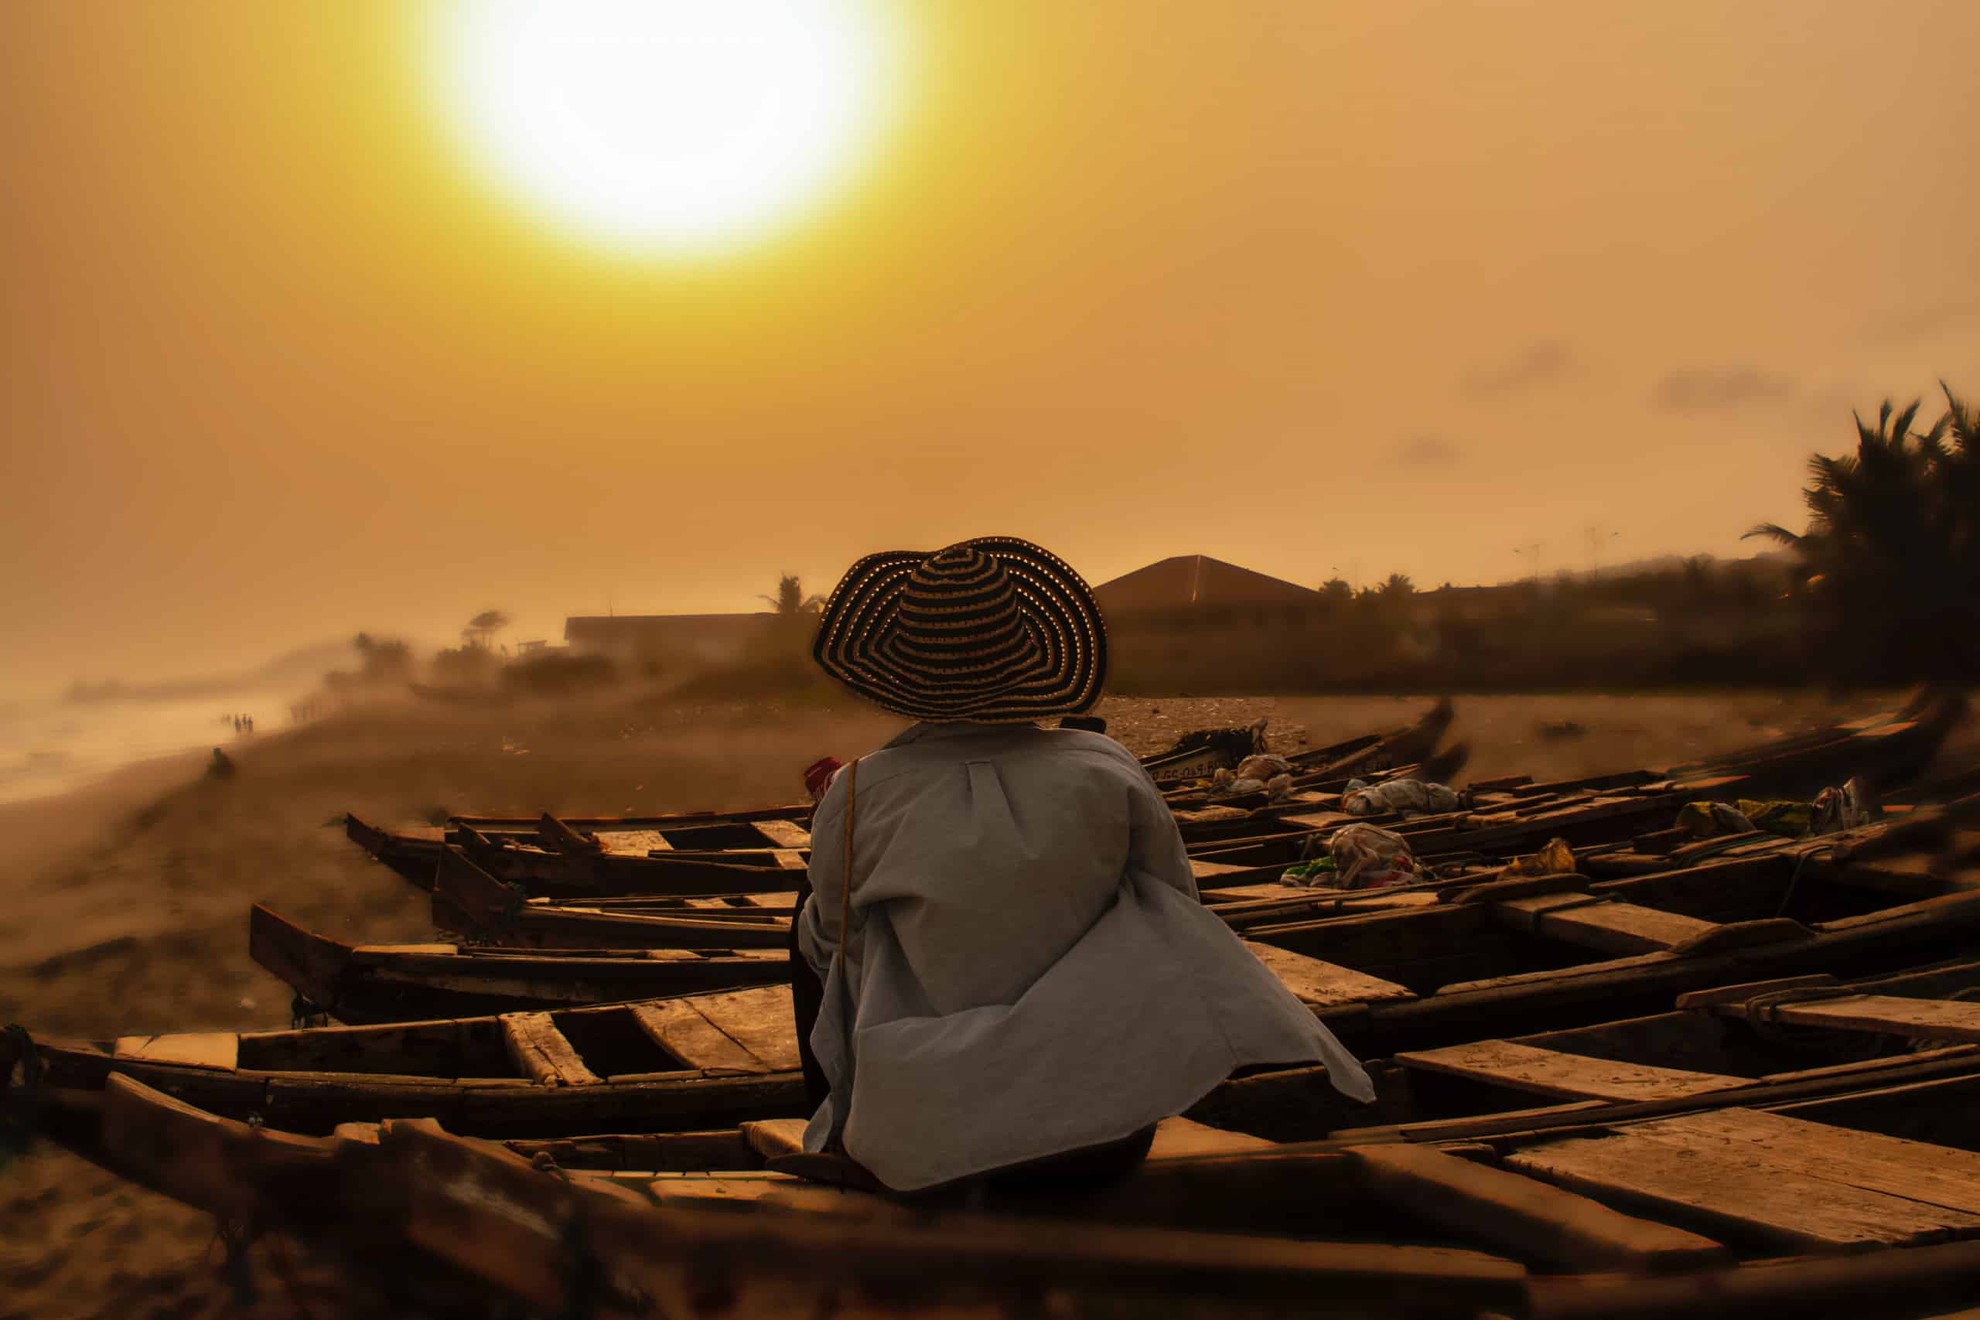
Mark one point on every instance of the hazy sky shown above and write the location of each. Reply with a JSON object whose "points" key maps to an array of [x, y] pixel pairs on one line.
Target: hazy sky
{"points": [[1315, 286]]}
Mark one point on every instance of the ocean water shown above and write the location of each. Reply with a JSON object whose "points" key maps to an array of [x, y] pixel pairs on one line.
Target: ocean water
{"points": [[54, 745]]}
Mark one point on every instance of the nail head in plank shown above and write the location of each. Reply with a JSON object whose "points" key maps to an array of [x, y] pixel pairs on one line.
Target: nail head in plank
{"points": [[1528, 1216], [1567, 1076], [541, 1052]]}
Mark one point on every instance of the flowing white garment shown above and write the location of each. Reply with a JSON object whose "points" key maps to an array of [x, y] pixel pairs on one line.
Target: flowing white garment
{"points": [[1029, 968]]}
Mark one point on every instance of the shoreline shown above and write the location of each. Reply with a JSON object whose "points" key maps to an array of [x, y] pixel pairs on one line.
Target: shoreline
{"points": [[43, 832]]}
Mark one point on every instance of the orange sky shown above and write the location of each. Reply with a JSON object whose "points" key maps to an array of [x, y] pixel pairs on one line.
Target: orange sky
{"points": [[1307, 285]]}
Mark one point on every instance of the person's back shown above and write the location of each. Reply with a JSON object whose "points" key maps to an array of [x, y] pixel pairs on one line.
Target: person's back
{"points": [[997, 846], [1017, 968]]}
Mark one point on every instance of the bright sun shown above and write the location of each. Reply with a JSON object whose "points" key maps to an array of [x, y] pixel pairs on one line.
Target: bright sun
{"points": [[675, 127]]}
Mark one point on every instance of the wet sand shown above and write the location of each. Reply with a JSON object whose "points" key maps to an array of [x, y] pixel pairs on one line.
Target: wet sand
{"points": [[127, 901]]}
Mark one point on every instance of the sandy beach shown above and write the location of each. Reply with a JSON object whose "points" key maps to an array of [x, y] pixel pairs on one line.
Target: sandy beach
{"points": [[127, 900]]}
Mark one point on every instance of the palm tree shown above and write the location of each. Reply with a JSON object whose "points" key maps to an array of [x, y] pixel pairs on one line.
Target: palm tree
{"points": [[482, 628], [790, 598], [1889, 557], [1398, 588]]}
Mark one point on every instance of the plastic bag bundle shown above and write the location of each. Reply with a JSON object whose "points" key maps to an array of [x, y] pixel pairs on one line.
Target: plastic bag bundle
{"points": [[1263, 766], [1369, 857], [1410, 797], [1554, 859], [1709, 820]]}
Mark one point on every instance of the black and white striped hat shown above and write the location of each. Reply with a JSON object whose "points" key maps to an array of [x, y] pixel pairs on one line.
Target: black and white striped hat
{"points": [[995, 629]]}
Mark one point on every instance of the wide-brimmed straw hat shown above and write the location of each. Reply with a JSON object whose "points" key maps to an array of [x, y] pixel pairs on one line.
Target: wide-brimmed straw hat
{"points": [[995, 630]]}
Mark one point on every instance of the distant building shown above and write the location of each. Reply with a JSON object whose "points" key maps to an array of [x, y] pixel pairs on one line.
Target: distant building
{"points": [[660, 643], [1193, 623]]}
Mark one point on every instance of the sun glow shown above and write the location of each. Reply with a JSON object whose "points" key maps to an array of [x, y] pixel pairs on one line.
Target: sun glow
{"points": [[668, 127]]}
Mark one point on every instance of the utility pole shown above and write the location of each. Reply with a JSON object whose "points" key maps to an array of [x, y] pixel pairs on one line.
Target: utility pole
{"points": [[1532, 552], [1596, 540]]}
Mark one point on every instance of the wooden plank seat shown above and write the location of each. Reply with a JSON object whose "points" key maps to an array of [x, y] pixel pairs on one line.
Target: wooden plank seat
{"points": [[1919, 1019], [749, 1031], [195, 1049], [1525, 1214], [1564, 1076], [1323, 985], [541, 1053], [784, 833], [1766, 1178], [1596, 923]]}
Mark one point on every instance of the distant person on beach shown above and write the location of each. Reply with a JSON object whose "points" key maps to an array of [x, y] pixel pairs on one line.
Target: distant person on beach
{"points": [[1017, 979]]}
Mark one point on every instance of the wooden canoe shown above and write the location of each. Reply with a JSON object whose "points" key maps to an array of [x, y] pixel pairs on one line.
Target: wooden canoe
{"points": [[1688, 1212], [385, 983], [398, 982], [684, 853], [1538, 953], [482, 910], [1218, 834]]}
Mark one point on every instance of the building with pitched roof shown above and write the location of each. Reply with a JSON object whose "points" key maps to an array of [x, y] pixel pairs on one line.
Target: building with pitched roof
{"points": [[1194, 623]]}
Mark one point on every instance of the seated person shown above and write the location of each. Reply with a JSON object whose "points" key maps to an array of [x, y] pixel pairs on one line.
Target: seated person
{"points": [[1017, 974]]}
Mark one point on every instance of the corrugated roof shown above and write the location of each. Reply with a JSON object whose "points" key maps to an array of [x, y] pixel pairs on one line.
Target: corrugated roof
{"points": [[1197, 580]]}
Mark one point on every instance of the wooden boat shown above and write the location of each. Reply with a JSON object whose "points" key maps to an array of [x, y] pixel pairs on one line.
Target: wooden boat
{"points": [[1362, 757], [397, 982], [387, 982], [569, 857], [719, 1059], [684, 1062], [1535, 952], [1883, 750], [1636, 1220], [1603, 1207], [702, 852]]}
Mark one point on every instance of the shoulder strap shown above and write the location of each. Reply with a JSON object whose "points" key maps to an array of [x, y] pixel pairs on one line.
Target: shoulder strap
{"points": [[846, 877]]}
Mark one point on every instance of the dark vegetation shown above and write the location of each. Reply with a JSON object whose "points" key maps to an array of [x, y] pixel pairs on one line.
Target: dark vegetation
{"points": [[1890, 560], [1881, 586]]}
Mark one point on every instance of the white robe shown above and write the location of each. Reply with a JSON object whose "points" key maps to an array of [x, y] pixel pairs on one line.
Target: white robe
{"points": [[1031, 968]]}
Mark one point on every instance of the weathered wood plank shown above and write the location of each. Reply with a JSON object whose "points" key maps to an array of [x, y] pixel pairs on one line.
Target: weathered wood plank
{"points": [[1736, 1192], [784, 833], [1525, 1215], [193, 1049], [1621, 927], [1320, 984], [1871, 1161], [1930, 1019], [1566, 1076], [772, 1137], [760, 1020], [634, 843], [541, 1053], [1182, 1138], [698, 1043]]}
